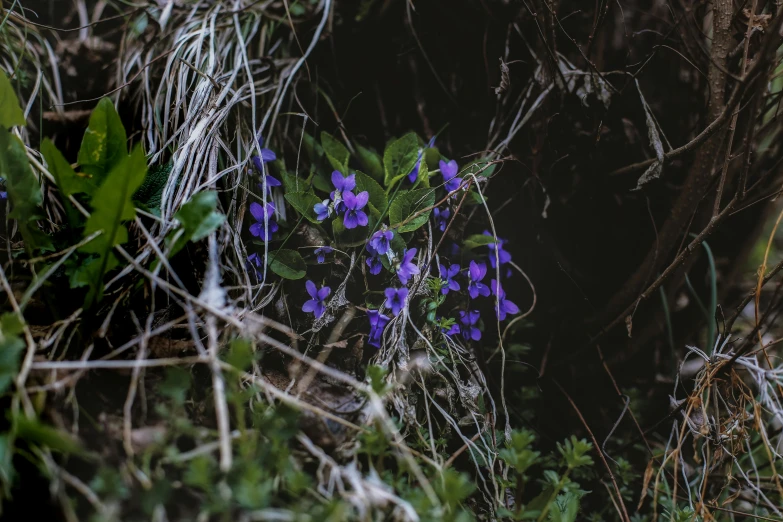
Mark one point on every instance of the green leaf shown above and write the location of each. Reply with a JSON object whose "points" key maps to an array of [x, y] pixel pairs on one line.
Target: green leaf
{"points": [[240, 354], [288, 264], [481, 168], [293, 183], [11, 347], [336, 152], [565, 508], [371, 162], [574, 452], [408, 204], [197, 218], [477, 240], [399, 158], [176, 384], [312, 148], [474, 198], [377, 377], [66, 178], [304, 202], [322, 183], [150, 193], [10, 111], [24, 191], [377, 194], [112, 205], [7, 472], [36, 432], [104, 144]]}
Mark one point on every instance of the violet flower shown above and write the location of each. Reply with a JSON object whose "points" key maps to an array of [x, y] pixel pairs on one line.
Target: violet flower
{"points": [[441, 218], [271, 181], [395, 299], [342, 184], [503, 305], [254, 263], [449, 172], [502, 255], [378, 322], [322, 210], [267, 155], [374, 262], [406, 268], [414, 174], [320, 253], [469, 320], [447, 274], [381, 241], [415, 171], [316, 304], [453, 330], [261, 215], [476, 272], [354, 215]]}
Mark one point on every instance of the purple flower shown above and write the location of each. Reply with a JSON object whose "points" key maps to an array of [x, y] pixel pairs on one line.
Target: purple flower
{"points": [[341, 184], [415, 171], [254, 263], [266, 156], [469, 320], [354, 216], [395, 299], [453, 330], [449, 172], [453, 249], [476, 272], [381, 241], [316, 304], [378, 322], [503, 306], [442, 218], [322, 210], [271, 181], [320, 253], [448, 275], [406, 268], [503, 255], [3, 194], [261, 216], [374, 262]]}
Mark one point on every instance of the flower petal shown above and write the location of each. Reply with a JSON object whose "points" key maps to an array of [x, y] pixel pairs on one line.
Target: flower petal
{"points": [[337, 180], [311, 289], [362, 218], [361, 200], [268, 155], [257, 229], [350, 221], [257, 211], [510, 307]]}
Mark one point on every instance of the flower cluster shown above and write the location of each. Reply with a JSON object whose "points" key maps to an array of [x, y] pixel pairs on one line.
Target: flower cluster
{"points": [[468, 320], [456, 281], [343, 201], [264, 225]]}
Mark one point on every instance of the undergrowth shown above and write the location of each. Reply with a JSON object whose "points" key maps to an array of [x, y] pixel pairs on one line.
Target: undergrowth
{"points": [[217, 308]]}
